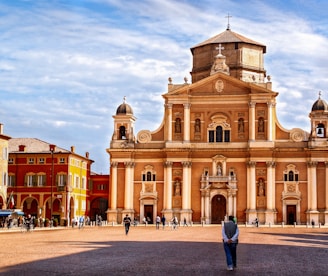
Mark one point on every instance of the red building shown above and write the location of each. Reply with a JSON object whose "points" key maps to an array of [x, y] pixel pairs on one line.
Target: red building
{"points": [[98, 196], [48, 181]]}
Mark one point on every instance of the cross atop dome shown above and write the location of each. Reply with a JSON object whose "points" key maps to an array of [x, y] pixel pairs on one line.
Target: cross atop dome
{"points": [[228, 26]]}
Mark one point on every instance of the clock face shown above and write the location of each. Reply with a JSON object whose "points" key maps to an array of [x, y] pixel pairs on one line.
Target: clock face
{"points": [[219, 85]]}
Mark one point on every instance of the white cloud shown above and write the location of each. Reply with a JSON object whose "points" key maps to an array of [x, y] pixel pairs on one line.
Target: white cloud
{"points": [[65, 67]]}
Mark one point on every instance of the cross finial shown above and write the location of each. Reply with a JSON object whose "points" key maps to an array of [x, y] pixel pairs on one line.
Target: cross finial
{"points": [[124, 99], [219, 48], [228, 16], [319, 94]]}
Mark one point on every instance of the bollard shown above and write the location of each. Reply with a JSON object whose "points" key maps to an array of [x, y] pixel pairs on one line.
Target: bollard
{"points": [[282, 224], [269, 224], [294, 224]]}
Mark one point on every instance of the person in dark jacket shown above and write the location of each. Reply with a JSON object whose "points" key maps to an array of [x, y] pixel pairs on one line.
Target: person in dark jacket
{"points": [[127, 222], [230, 233]]}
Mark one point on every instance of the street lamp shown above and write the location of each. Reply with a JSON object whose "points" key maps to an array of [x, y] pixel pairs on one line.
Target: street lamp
{"points": [[52, 149]]}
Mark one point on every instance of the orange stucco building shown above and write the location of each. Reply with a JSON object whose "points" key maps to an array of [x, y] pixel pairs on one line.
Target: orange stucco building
{"points": [[220, 149]]}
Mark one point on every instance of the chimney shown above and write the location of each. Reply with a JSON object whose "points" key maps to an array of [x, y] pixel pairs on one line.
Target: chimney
{"points": [[72, 149], [1, 128], [21, 148], [87, 155]]}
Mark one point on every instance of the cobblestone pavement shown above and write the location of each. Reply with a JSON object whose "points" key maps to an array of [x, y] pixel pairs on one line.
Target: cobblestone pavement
{"points": [[193, 250]]}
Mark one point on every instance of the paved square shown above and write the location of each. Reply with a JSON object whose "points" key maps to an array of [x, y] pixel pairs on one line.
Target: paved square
{"points": [[146, 251]]}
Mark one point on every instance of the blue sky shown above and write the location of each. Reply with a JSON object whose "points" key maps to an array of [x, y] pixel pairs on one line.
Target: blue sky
{"points": [[65, 66]]}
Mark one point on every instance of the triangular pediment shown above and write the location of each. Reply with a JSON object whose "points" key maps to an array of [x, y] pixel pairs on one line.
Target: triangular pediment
{"points": [[218, 84]]}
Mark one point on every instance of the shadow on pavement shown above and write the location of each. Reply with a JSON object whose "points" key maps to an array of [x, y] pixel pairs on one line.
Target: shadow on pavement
{"points": [[178, 258]]}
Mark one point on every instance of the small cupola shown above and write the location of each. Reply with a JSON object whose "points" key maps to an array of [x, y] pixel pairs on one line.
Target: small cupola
{"points": [[320, 104], [124, 108]]}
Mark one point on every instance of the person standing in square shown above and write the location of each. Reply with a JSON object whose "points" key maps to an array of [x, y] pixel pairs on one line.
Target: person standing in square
{"points": [[230, 234]]}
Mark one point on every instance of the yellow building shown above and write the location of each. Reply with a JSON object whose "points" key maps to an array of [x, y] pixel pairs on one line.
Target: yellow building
{"points": [[220, 149], [3, 169], [48, 181]]}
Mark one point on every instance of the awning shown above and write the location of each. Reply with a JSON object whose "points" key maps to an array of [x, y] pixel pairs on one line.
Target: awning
{"points": [[6, 213], [19, 213]]}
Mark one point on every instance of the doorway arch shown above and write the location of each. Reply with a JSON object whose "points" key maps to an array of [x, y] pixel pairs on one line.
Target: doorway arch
{"points": [[99, 207], [218, 209]]}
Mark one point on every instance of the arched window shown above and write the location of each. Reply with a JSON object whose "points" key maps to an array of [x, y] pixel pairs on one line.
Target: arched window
{"points": [[149, 174], [122, 133], [218, 134], [291, 174], [219, 129], [320, 130]]}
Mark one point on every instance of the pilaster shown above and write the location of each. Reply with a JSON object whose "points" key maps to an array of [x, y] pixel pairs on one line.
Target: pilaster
{"points": [[186, 122], [252, 121], [251, 192]]}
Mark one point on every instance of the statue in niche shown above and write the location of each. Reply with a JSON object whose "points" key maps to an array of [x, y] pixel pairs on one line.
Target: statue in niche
{"points": [[261, 187], [178, 125], [219, 170], [177, 188], [240, 125], [261, 125], [197, 125]]}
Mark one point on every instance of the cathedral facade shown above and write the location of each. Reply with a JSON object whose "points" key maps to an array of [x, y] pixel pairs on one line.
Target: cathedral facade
{"points": [[220, 149]]}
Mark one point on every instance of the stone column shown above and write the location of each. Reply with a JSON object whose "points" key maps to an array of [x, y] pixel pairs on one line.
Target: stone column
{"points": [[186, 122], [235, 205], [202, 207], [230, 203], [270, 193], [113, 194], [168, 186], [112, 211], [313, 213], [186, 185], [252, 121], [186, 191], [251, 191], [207, 207], [128, 192], [169, 122]]}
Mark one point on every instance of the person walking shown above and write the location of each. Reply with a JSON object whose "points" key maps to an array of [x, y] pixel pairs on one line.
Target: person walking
{"points": [[158, 221], [230, 234], [163, 221], [127, 222]]}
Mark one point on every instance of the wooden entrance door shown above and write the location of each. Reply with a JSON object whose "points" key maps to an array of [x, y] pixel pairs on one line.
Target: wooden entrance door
{"points": [[291, 214], [149, 213], [218, 209]]}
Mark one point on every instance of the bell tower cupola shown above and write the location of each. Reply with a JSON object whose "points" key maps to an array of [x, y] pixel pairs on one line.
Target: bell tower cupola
{"points": [[319, 123], [123, 126]]}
